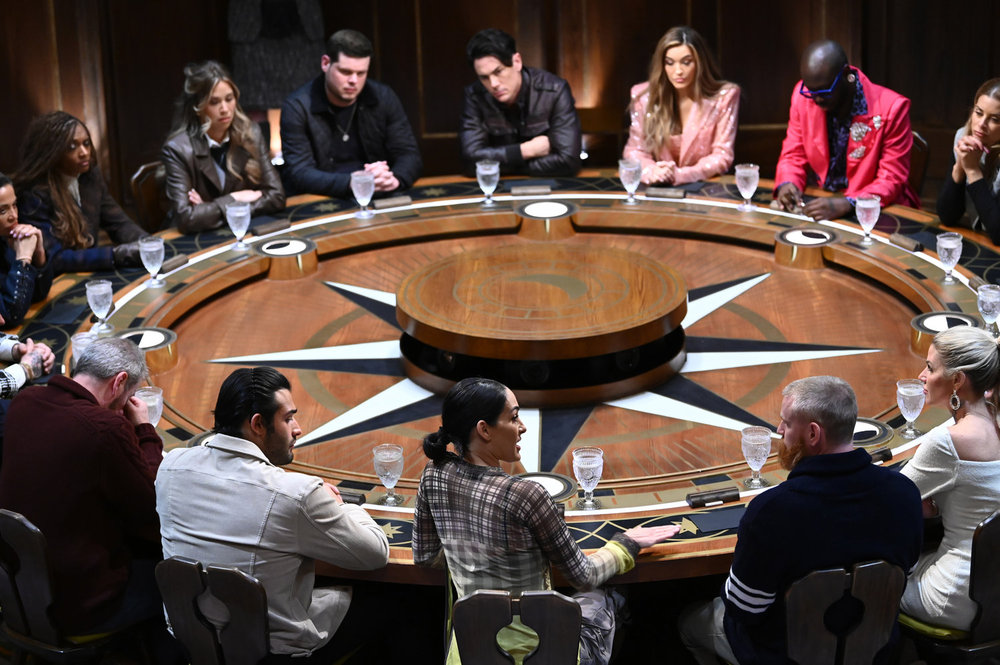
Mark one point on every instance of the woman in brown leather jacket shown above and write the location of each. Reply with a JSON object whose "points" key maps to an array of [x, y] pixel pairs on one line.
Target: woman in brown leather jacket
{"points": [[215, 154]]}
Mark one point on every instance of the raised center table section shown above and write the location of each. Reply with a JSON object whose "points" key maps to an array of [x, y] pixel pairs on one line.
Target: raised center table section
{"points": [[558, 323]]}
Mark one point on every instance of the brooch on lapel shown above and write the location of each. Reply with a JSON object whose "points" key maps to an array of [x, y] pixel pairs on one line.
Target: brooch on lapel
{"points": [[859, 129], [858, 152], [877, 121]]}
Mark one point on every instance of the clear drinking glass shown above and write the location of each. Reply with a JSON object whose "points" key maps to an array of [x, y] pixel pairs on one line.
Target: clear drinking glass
{"points": [[153, 397], [238, 218], [868, 208], [988, 299], [949, 249], [756, 443], [79, 343], [99, 299], [747, 177], [363, 188], [151, 251], [910, 398], [588, 465], [488, 175], [388, 458], [629, 172]]}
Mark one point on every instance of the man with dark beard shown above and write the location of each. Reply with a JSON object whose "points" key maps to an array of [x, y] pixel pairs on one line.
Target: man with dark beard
{"points": [[835, 509]]}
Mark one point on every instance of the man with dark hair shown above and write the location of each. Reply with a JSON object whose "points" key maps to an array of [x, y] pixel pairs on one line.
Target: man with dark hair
{"points": [[228, 502], [835, 509], [522, 117], [79, 462], [846, 135], [341, 122]]}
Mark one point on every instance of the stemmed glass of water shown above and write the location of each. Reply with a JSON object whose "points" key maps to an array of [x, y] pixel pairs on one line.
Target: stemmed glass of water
{"points": [[238, 218], [388, 458], [99, 299], [867, 208], [630, 172], [747, 177], [988, 299], [153, 397], [949, 249], [151, 252], [363, 188], [488, 175], [910, 398], [756, 443], [588, 465]]}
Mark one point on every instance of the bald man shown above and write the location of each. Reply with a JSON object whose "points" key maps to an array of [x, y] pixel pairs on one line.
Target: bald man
{"points": [[845, 134]]}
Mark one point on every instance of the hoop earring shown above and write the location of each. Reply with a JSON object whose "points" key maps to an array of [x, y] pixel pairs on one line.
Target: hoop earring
{"points": [[954, 402]]}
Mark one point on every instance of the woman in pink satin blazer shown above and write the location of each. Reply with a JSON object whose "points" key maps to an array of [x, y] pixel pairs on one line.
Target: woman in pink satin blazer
{"points": [[684, 117]]}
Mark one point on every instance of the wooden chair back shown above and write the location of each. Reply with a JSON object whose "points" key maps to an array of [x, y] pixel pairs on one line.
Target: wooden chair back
{"points": [[919, 157], [149, 191], [479, 616], [244, 639], [984, 585], [875, 585]]}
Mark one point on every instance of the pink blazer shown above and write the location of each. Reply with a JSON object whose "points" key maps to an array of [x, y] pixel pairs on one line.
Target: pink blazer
{"points": [[706, 143], [878, 149]]}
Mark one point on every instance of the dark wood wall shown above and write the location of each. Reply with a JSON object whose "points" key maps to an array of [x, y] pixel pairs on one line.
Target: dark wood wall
{"points": [[118, 64]]}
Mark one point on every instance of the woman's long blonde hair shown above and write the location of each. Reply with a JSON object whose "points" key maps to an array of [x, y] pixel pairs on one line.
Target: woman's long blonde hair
{"points": [[992, 90], [662, 110]]}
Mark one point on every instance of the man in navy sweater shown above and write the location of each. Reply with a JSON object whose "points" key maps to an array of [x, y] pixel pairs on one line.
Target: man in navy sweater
{"points": [[835, 509]]}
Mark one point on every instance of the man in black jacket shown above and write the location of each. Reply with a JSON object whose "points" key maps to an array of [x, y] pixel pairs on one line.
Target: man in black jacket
{"points": [[522, 117], [340, 122]]}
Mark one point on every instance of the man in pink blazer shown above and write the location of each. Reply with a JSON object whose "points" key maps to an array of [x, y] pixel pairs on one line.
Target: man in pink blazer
{"points": [[845, 134]]}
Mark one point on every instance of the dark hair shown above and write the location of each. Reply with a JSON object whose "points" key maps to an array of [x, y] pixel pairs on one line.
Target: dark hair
{"points": [[5, 180], [245, 392], [469, 401], [349, 42], [491, 42], [45, 144]]}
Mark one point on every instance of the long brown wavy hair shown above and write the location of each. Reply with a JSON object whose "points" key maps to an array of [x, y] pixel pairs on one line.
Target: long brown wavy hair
{"points": [[663, 112], [991, 89], [200, 80], [48, 139]]}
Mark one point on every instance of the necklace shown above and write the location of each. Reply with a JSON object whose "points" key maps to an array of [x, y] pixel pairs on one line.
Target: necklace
{"points": [[345, 132]]}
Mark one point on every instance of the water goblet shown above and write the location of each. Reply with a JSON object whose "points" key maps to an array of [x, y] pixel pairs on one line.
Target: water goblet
{"points": [[630, 172], [949, 249], [747, 177], [588, 464], [910, 398], [868, 208], [363, 188], [99, 299], [153, 397], [79, 343], [488, 175], [151, 252], [988, 299], [756, 442], [238, 218], [388, 458]]}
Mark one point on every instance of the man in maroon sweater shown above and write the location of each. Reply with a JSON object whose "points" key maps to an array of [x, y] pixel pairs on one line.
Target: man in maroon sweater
{"points": [[80, 458]]}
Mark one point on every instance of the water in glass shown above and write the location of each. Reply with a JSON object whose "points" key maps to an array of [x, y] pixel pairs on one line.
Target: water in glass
{"points": [[100, 301], [363, 188], [153, 397], [488, 175], [747, 177], [756, 442], [910, 398], [588, 465], [238, 218], [151, 252], [630, 172], [388, 459], [988, 299], [79, 343], [949, 249], [867, 208]]}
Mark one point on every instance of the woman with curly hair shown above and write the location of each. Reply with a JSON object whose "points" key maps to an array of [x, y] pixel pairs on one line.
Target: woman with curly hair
{"points": [[215, 154], [684, 117], [60, 190]]}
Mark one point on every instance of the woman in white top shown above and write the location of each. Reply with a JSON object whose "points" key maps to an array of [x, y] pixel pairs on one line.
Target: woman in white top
{"points": [[957, 469]]}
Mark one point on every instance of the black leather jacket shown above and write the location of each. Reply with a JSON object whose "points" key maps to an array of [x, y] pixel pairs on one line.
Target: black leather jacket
{"points": [[307, 136], [546, 107]]}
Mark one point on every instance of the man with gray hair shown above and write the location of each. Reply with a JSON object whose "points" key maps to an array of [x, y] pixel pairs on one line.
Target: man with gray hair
{"points": [[80, 458], [835, 509]]}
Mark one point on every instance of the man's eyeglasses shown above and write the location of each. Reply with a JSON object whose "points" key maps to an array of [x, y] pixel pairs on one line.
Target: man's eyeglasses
{"points": [[821, 94]]}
